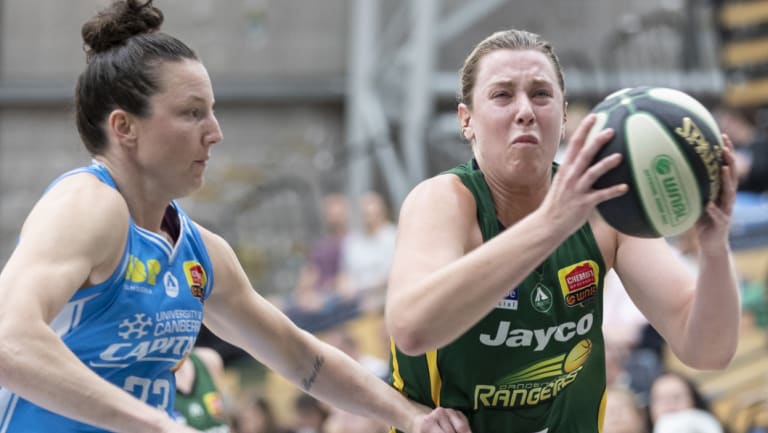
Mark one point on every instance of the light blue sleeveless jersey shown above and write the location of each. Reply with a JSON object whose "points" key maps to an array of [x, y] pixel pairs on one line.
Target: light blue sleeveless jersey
{"points": [[134, 328]]}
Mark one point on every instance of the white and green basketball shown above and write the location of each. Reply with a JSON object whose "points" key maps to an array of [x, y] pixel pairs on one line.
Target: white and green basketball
{"points": [[672, 154]]}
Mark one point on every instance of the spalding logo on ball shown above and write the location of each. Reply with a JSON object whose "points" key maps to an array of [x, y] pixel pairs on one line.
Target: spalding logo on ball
{"points": [[672, 154]]}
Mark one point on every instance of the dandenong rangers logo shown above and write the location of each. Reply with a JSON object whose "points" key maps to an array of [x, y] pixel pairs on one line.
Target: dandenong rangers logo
{"points": [[535, 384]]}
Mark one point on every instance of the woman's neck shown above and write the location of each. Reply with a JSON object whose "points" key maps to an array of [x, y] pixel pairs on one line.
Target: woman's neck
{"points": [[146, 207]]}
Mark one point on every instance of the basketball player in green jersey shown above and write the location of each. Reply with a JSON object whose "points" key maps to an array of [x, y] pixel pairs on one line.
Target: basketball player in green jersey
{"points": [[199, 402], [495, 296]]}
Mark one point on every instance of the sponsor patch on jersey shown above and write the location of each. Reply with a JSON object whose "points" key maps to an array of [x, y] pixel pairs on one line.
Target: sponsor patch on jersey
{"points": [[196, 278], [540, 338], [541, 298], [171, 285], [140, 276], [509, 302], [579, 282], [213, 404]]}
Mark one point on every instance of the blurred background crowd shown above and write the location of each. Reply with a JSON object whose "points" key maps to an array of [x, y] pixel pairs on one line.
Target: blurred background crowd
{"points": [[332, 110]]}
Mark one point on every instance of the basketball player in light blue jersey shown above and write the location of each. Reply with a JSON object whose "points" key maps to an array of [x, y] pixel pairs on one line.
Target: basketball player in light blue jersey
{"points": [[106, 290]]}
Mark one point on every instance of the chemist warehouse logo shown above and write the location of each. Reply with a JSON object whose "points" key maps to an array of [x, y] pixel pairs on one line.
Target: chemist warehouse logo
{"points": [[537, 383], [196, 278], [579, 282]]}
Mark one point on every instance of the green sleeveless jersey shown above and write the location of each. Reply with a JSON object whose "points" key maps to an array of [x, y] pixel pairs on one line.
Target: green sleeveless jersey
{"points": [[536, 363], [202, 407]]}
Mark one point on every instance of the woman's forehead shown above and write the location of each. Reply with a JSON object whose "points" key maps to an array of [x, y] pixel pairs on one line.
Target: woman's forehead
{"points": [[515, 65], [186, 79]]}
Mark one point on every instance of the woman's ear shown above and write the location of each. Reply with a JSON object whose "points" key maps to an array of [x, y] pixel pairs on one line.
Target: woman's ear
{"points": [[123, 126], [465, 120]]}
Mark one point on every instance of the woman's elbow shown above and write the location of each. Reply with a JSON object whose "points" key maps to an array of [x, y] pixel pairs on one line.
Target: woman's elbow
{"points": [[711, 364], [409, 345], [711, 360], [722, 360], [407, 337]]}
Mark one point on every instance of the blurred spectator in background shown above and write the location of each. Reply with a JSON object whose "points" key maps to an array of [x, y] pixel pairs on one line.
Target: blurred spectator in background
{"points": [[623, 323], [199, 403], [633, 356], [318, 301], [255, 415], [677, 396], [634, 349], [750, 215], [749, 226], [346, 342], [311, 414], [688, 421], [751, 146], [754, 301], [340, 421], [624, 413], [367, 253], [319, 278]]}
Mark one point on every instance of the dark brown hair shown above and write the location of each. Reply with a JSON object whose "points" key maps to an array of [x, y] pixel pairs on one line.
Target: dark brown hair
{"points": [[124, 48]]}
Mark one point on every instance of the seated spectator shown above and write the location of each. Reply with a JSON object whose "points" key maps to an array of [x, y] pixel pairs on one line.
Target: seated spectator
{"points": [[317, 301], [632, 358], [255, 415], [311, 414], [318, 280], [367, 253], [343, 339], [624, 413], [673, 393], [749, 134], [751, 145], [340, 421], [688, 421]]}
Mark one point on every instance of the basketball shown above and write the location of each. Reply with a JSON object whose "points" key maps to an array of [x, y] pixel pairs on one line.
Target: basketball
{"points": [[672, 155]]}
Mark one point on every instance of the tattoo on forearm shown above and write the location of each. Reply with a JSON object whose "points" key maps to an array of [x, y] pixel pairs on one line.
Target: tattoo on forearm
{"points": [[308, 382]]}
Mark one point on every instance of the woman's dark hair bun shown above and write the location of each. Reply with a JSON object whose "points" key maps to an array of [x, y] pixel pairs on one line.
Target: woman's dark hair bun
{"points": [[123, 19]]}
